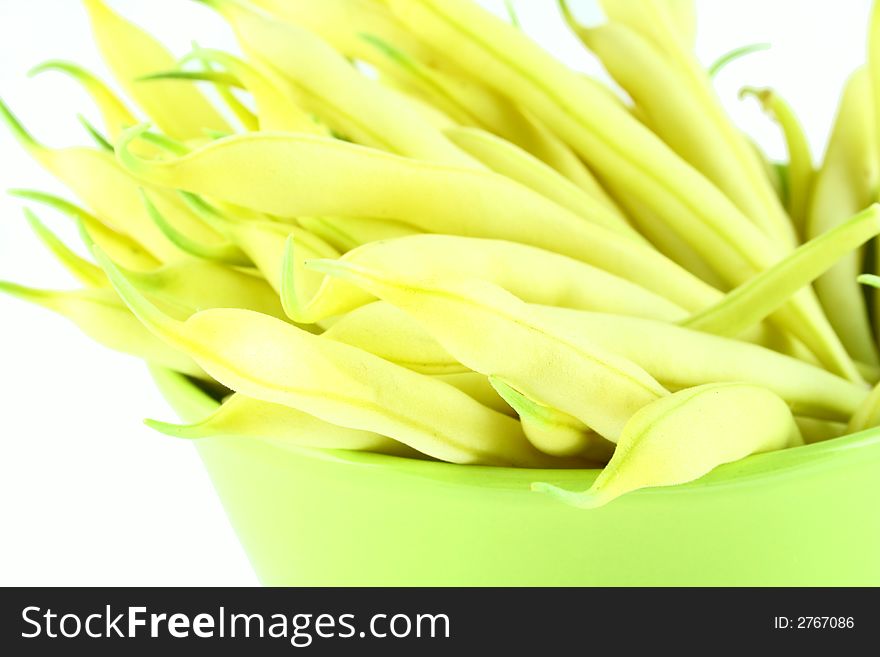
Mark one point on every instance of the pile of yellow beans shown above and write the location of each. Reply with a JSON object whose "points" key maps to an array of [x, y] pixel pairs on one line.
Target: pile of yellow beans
{"points": [[402, 226]]}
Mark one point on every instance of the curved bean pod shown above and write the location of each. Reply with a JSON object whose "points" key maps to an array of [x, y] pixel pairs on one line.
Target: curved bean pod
{"points": [[685, 435], [680, 118], [656, 22], [244, 417]]}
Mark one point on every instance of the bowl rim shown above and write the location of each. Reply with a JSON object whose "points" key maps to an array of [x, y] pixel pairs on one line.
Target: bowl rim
{"points": [[192, 403]]}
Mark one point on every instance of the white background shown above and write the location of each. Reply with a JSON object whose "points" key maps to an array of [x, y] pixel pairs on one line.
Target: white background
{"points": [[88, 495]]}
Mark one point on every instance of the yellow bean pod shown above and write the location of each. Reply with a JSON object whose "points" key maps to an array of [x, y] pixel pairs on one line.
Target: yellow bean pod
{"points": [[421, 234], [846, 183], [771, 170], [244, 417], [276, 362], [105, 319], [683, 436], [304, 175], [535, 137], [481, 325], [871, 373], [177, 108], [532, 274], [656, 22], [674, 114]]}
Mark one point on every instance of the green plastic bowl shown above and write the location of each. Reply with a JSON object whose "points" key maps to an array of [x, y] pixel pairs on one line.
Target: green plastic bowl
{"points": [[803, 516]]}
